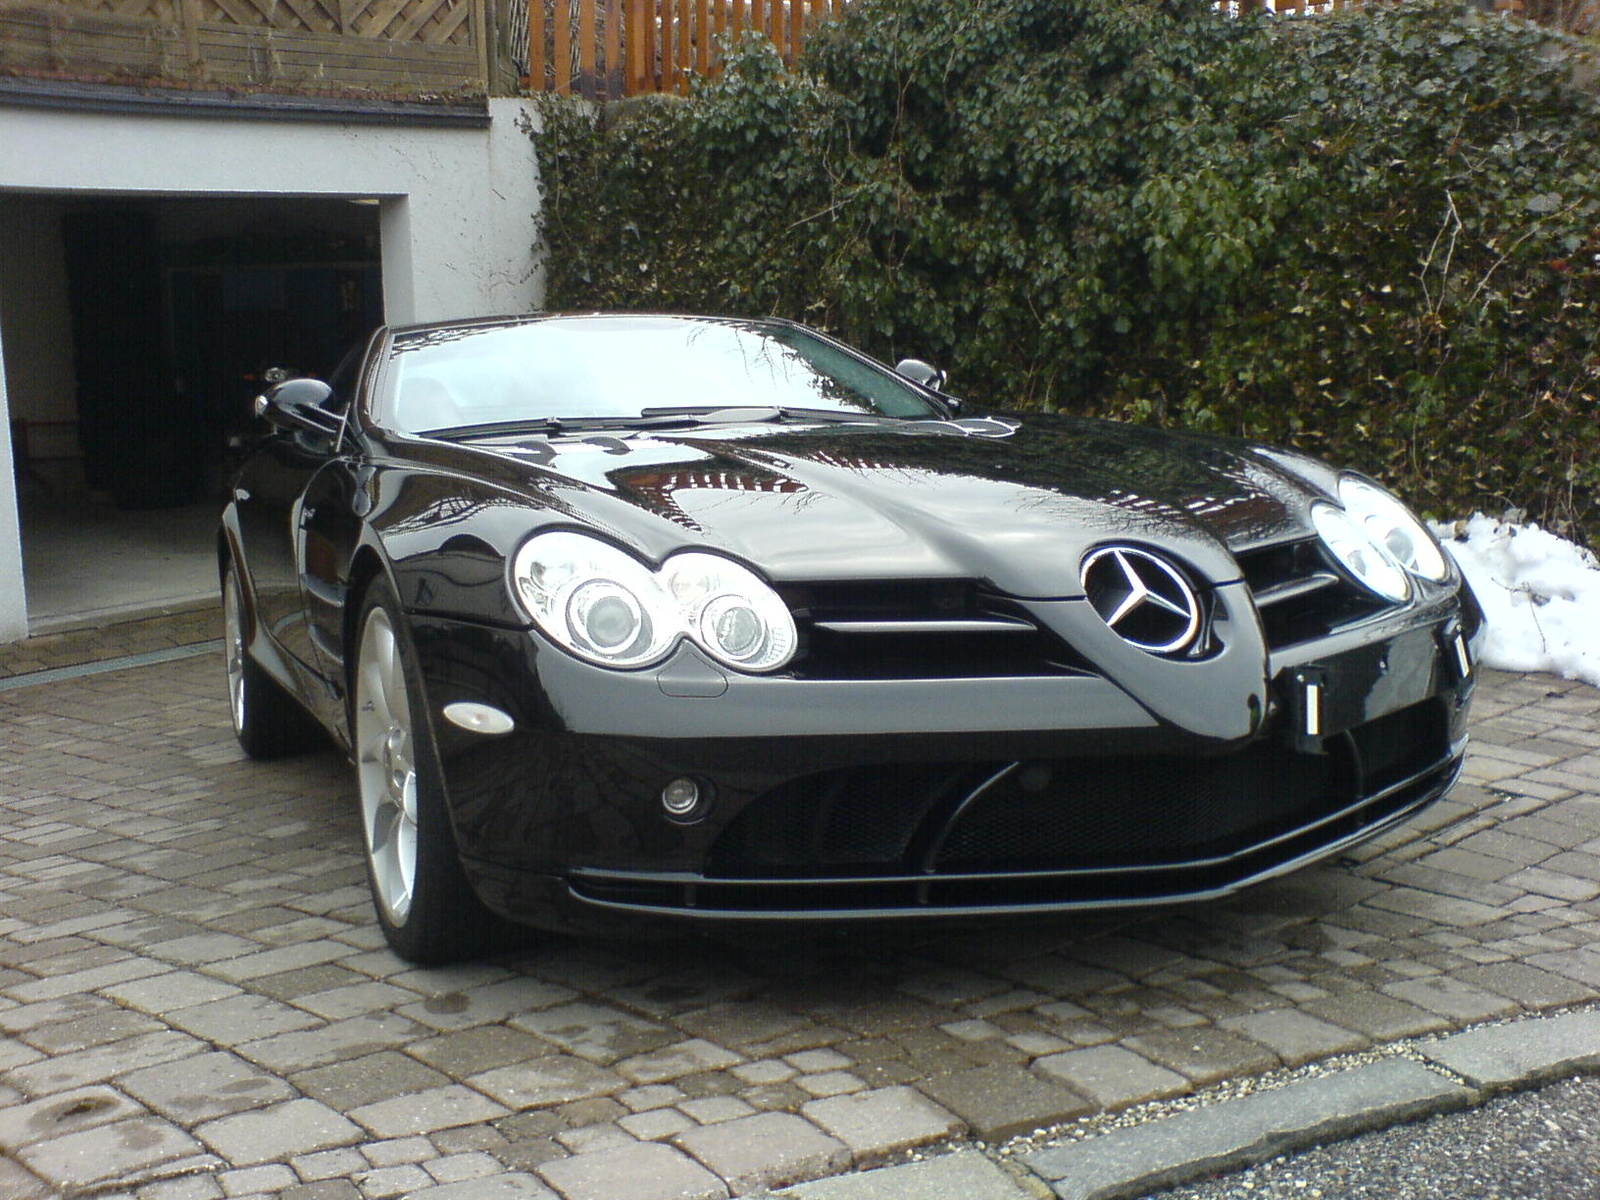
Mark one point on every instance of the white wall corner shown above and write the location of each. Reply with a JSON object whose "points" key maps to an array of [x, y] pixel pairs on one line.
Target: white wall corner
{"points": [[13, 598]]}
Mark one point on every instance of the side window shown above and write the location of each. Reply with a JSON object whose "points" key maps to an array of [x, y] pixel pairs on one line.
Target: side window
{"points": [[342, 379]]}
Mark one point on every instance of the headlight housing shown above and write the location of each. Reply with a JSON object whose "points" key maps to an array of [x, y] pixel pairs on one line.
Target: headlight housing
{"points": [[606, 606], [1378, 540], [1391, 524]]}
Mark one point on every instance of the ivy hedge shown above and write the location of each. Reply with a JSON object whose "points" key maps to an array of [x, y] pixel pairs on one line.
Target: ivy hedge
{"points": [[1374, 235]]}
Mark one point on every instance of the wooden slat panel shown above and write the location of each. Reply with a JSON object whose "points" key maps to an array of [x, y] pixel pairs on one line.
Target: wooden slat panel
{"points": [[586, 46], [563, 50], [536, 59], [797, 27], [614, 69], [635, 34], [702, 38]]}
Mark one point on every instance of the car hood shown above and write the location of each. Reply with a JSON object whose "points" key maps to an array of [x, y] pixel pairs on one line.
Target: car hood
{"points": [[1016, 500]]}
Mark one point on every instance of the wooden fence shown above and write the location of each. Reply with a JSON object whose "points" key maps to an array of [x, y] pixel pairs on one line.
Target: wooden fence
{"points": [[389, 47], [606, 49]]}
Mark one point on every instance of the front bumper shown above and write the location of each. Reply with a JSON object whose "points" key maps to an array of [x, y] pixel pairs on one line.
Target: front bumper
{"points": [[868, 799]]}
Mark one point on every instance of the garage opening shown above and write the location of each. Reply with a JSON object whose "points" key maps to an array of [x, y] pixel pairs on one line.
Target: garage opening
{"points": [[136, 333]]}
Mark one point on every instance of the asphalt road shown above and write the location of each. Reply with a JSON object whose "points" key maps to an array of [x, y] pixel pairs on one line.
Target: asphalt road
{"points": [[1538, 1145]]}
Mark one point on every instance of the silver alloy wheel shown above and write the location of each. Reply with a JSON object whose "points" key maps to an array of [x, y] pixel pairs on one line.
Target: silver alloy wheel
{"points": [[233, 647], [385, 768]]}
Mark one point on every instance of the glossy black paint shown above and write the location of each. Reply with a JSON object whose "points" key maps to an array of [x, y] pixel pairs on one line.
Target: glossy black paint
{"points": [[1010, 504]]}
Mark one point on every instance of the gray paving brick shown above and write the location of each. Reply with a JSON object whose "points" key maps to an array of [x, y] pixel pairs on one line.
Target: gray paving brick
{"points": [[767, 1150], [278, 1133], [1204, 1055], [135, 1146], [674, 1062], [426, 1111], [882, 1122], [1296, 1037], [642, 1171], [318, 1044], [1521, 1053], [504, 1186], [549, 1080], [598, 1032], [204, 1086], [1202, 1141], [103, 1063], [1005, 1100], [1113, 1077], [966, 1176]]}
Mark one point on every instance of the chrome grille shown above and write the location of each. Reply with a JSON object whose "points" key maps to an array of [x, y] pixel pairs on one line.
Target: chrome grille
{"points": [[920, 629]]}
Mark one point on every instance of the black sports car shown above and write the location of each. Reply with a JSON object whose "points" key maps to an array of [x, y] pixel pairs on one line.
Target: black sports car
{"points": [[718, 619]]}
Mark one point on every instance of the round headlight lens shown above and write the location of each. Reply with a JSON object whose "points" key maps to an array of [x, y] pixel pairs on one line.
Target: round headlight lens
{"points": [[608, 607], [731, 612], [598, 602], [1391, 524], [1368, 560]]}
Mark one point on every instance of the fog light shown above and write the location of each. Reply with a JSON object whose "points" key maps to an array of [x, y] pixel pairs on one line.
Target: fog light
{"points": [[682, 798]]}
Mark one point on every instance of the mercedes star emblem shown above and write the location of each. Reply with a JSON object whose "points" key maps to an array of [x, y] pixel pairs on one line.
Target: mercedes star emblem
{"points": [[1144, 599]]}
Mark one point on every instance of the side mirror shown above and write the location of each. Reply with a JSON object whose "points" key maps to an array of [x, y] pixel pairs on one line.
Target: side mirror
{"points": [[928, 375], [296, 405]]}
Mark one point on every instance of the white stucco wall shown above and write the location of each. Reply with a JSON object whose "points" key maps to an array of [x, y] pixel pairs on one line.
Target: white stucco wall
{"points": [[13, 602], [457, 218]]}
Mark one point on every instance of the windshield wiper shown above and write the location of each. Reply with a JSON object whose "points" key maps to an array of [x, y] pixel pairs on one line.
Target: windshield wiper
{"points": [[710, 415]]}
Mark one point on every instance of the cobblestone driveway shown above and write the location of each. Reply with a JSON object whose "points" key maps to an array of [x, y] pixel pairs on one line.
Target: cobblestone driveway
{"points": [[196, 1001]]}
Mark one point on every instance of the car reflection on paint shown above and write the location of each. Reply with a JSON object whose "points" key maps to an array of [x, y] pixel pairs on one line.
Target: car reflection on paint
{"points": [[718, 620]]}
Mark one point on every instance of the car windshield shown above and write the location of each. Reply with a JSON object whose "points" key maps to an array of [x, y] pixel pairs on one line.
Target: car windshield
{"points": [[621, 369]]}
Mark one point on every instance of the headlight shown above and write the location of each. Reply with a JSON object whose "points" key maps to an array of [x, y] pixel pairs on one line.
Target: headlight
{"points": [[1390, 524], [608, 607], [1362, 556]]}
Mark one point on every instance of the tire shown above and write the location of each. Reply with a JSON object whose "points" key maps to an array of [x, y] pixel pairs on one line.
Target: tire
{"points": [[428, 910], [266, 719]]}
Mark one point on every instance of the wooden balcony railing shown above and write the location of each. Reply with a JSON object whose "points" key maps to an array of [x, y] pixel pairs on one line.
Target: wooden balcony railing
{"points": [[606, 49], [385, 47]]}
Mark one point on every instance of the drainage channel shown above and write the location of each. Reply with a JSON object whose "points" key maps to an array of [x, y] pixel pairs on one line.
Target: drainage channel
{"points": [[148, 658]]}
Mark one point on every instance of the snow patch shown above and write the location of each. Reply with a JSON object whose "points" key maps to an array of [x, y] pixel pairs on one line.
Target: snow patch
{"points": [[1540, 593]]}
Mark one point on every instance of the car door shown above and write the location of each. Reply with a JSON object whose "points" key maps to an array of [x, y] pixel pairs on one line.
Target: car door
{"points": [[269, 498]]}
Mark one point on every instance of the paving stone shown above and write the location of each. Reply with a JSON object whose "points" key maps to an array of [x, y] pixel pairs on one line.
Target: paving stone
{"points": [[278, 1133], [472, 1051], [322, 1044], [506, 1186], [1381, 1018], [18, 1183], [642, 1171], [674, 1062], [767, 1150], [1296, 1037], [1004, 1101], [882, 1122], [1222, 1137], [109, 1153], [1205, 1055], [62, 1115], [204, 1086], [656, 1125], [253, 1180], [712, 1109], [1453, 998], [552, 1079], [103, 1063], [427, 1111], [597, 1032], [367, 1080], [1113, 1077], [242, 1018], [962, 1176], [1521, 1053]]}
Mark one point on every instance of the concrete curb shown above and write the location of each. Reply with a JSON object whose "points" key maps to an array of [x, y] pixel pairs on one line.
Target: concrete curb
{"points": [[1429, 1077]]}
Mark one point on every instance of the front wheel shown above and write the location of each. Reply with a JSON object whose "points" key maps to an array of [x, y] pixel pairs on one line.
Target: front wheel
{"points": [[266, 719], [427, 908]]}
